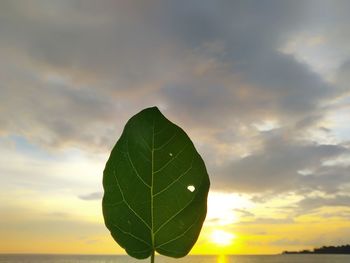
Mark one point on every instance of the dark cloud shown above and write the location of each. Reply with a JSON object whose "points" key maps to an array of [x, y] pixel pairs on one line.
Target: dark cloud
{"points": [[71, 78], [343, 74], [204, 21], [328, 179], [273, 83], [311, 204], [342, 214], [113, 53], [277, 167], [73, 72]]}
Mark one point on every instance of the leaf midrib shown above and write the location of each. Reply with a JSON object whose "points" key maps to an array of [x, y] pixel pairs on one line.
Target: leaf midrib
{"points": [[152, 197], [153, 172]]}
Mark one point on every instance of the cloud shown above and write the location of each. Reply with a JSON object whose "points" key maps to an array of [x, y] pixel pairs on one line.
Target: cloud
{"points": [[260, 87], [313, 203], [244, 212], [278, 165], [267, 221], [328, 179], [205, 64], [72, 73], [73, 89], [343, 75], [57, 171], [60, 215], [285, 86], [287, 242], [91, 196]]}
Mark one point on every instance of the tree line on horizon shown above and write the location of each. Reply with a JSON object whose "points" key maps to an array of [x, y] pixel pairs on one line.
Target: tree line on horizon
{"points": [[344, 249]]}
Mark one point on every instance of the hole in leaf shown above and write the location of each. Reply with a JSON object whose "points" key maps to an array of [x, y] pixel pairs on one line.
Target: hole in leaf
{"points": [[191, 188], [170, 154]]}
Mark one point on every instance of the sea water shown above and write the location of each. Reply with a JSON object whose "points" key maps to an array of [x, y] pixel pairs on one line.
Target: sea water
{"points": [[189, 259]]}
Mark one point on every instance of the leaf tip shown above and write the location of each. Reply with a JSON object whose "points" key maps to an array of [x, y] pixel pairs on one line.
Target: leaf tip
{"points": [[154, 108]]}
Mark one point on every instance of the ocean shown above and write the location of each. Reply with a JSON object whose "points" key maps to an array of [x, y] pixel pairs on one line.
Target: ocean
{"points": [[159, 259]]}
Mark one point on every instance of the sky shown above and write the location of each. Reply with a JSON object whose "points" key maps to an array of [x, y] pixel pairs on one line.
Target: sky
{"points": [[261, 87]]}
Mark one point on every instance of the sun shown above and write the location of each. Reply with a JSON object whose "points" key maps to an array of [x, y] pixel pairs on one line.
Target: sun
{"points": [[222, 238]]}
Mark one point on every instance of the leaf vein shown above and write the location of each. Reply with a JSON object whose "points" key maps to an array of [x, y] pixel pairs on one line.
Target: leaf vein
{"points": [[167, 142], [152, 183], [144, 157], [134, 168], [176, 180], [114, 204], [177, 213], [145, 142], [171, 160], [127, 204], [181, 235], [160, 131], [131, 234]]}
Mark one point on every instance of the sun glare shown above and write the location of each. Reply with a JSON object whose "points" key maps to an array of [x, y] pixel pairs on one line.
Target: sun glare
{"points": [[222, 206], [222, 238]]}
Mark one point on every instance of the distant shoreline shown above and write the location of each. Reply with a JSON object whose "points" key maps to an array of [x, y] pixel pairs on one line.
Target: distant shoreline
{"points": [[344, 249]]}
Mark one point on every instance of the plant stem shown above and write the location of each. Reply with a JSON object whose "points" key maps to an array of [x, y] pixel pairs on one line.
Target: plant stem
{"points": [[152, 257]]}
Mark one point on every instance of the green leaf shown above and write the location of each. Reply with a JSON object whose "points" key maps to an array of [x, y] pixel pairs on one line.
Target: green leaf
{"points": [[156, 188]]}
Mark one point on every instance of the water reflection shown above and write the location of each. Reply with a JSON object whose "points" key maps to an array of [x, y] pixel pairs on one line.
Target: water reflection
{"points": [[222, 259]]}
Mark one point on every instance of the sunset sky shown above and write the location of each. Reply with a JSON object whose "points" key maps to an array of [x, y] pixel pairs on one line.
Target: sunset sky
{"points": [[261, 87]]}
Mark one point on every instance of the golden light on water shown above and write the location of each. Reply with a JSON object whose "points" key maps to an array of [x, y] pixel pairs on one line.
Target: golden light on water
{"points": [[221, 259], [222, 238]]}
